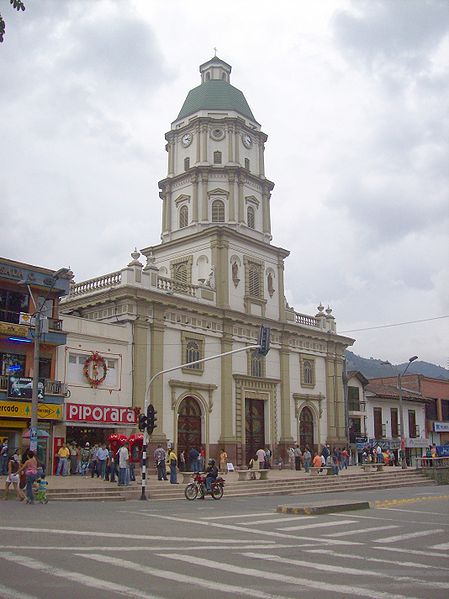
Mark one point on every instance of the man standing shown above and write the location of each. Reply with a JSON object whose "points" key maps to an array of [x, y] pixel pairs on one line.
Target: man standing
{"points": [[261, 458], [298, 456], [173, 462], [63, 455], [4, 457], [159, 457], [123, 464], [194, 457], [102, 456], [307, 457]]}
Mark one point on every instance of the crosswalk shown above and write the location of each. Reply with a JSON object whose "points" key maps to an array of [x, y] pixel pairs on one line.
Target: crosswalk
{"points": [[263, 555]]}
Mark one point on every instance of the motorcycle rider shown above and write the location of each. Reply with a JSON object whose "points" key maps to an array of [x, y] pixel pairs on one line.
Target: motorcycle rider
{"points": [[211, 474]]}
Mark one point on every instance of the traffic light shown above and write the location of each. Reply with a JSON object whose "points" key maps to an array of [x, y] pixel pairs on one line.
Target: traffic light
{"points": [[151, 419], [142, 422], [264, 341]]}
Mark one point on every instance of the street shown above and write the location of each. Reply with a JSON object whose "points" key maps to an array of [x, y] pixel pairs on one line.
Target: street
{"points": [[236, 547]]}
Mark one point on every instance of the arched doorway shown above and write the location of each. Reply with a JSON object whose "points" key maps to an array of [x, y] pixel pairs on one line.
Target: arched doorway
{"points": [[189, 426], [306, 429]]}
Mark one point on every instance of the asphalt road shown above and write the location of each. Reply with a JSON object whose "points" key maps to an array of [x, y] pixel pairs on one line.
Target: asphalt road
{"points": [[236, 547]]}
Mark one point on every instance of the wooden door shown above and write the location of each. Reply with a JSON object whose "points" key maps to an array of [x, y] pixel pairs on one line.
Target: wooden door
{"points": [[189, 426], [254, 426], [306, 429]]}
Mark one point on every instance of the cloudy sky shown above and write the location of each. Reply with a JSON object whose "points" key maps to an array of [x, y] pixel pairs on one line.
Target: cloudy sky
{"points": [[353, 95]]}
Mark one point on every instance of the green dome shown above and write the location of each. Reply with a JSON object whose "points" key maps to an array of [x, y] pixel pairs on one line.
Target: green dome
{"points": [[215, 94]]}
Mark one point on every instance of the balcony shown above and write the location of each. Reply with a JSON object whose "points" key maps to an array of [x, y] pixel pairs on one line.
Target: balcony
{"points": [[55, 324], [52, 388]]}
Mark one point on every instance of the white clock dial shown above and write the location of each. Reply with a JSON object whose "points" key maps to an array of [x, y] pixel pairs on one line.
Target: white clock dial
{"points": [[247, 141], [186, 139]]}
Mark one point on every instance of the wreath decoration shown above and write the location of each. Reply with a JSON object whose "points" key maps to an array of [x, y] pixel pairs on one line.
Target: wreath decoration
{"points": [[98, 363]]}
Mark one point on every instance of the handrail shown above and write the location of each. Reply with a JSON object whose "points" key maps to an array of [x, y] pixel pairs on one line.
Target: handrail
{"points": [[51, 387], [304, 319], [438, 462], [113, 278]]}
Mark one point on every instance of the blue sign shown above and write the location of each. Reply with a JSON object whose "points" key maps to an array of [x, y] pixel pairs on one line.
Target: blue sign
{"points": [[443, 451]]}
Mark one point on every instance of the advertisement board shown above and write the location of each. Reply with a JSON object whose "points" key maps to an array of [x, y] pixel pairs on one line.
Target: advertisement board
{"points": [[104, 414], [22, 387]]}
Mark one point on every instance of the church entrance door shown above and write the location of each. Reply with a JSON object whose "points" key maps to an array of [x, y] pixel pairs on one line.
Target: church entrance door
{"points": [[306, 429], [254, 426], [189, 427]]}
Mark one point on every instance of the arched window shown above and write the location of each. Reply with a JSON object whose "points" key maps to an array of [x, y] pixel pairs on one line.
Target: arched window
{"points": [[183, 217], [254, 280], [251, 217], [256, 365], [193, 353], [308, 372], [218, 211], [180, 273], [217, 157], [186, 164]]}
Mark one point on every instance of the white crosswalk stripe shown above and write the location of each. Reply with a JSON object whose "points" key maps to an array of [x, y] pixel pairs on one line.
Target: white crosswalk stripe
{"points": [[359, 531], [9, 593], [442, 546], [408, 536], [318, 525], [279, 518]]}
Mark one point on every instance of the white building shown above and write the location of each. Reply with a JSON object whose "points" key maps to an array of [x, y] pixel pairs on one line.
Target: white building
{"points": [[207, 288]]}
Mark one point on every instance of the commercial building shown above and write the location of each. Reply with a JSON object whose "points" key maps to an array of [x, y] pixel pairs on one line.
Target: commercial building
{"points": [[24, 291]]}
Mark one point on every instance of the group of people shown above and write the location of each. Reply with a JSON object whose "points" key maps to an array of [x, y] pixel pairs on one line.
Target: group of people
{"points": [[25, 472], [168, 463], [336, 458], [98, 460], [376, 455]]}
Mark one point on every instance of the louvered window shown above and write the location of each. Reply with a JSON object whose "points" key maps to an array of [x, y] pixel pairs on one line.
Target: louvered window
{"points": [[254, 280], [251, 217], [180, 273], [218, 211], [183, 217]]}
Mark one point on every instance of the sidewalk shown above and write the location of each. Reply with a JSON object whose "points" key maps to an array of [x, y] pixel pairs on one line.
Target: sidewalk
{"points": [[87, 482]]}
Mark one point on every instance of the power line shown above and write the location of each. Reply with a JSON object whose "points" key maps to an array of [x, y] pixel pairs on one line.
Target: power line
{"points": [[396, 324]]}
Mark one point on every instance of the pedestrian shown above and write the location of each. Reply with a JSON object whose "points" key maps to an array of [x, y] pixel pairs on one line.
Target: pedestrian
{"points": [[194, 455], [74, 458], [84, 459], [102, 457], [182, 461], [260, 453], [291, 457], [4, 457], [202, 458], [379, 455], [123, 465], [42, 485], [268, 455], [223, 461], [298, 456], [93, 461], [30, 469], [13, 477], [173, 462], [63, 455], [307, 457], [325, 452], [317, 461], [345, 458], [160, 457]]}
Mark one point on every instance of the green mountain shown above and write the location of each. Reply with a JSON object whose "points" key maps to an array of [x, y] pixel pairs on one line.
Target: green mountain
{"points": [[374, 368]]}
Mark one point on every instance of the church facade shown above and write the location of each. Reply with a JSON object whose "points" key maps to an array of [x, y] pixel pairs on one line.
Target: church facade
{"points": [[206, 289]]}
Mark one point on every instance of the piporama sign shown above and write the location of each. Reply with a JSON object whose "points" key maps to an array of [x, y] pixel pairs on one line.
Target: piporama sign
{"points": [[93, 413]]}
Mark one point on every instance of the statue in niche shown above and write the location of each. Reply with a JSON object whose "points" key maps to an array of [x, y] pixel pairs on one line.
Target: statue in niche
{"points": [[235, 273], [211, 279], [270, 284]]}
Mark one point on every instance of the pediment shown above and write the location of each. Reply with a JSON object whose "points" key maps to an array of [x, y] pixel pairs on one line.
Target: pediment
{"points": [[218, 191]]}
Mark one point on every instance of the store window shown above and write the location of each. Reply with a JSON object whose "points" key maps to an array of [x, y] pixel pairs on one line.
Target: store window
{"points": [[12, 364], [12, 304]]}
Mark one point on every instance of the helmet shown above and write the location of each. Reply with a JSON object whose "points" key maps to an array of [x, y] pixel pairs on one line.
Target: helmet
{"points": [[211, 462]]}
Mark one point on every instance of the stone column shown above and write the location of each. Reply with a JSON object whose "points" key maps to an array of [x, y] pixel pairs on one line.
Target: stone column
{"points": [[241, 205], [198, 143], [204, 143], [204, 197], [286, 439], [194, 182], [230, 144], [220, 253], [156, 394], [236, 146], [261, 159], [231, 180], [227, 436], [266, 212]]}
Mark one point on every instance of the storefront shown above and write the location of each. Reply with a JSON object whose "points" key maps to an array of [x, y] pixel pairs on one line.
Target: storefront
{"points": [[415, 448], [95, 423], [14, 425]]}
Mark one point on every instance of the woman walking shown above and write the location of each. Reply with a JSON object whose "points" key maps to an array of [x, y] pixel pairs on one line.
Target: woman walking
{"points": [[30, 469], [13, 477]]}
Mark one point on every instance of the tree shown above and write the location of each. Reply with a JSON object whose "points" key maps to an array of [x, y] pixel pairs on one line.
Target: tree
{"points": [[17, 5]]}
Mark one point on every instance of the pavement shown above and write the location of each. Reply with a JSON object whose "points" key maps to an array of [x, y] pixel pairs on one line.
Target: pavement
{"points": [[87, 482]]}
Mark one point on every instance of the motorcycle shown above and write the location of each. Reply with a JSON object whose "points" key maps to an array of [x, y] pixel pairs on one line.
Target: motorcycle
{"points": [[198, 488]]}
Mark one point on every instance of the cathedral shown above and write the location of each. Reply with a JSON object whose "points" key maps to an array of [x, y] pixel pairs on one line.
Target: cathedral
{"points": [[206, 289]]}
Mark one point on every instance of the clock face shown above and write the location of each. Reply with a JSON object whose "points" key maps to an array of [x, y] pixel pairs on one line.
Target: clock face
{"points": [[187, 139], [247, 141]]}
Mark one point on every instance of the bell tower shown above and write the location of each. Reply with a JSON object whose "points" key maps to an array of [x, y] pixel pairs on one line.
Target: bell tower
{"points": [[216, 173]]}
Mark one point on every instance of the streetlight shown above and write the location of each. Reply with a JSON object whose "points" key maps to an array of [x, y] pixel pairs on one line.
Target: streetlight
{"points": [[401, 408], [40, 326]]}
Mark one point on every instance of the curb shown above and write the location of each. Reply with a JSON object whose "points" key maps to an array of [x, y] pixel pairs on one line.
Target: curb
{"points": [[328, 508]]}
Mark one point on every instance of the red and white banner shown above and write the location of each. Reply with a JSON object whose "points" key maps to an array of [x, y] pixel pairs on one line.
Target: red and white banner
{"points": [[76, 412]]}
